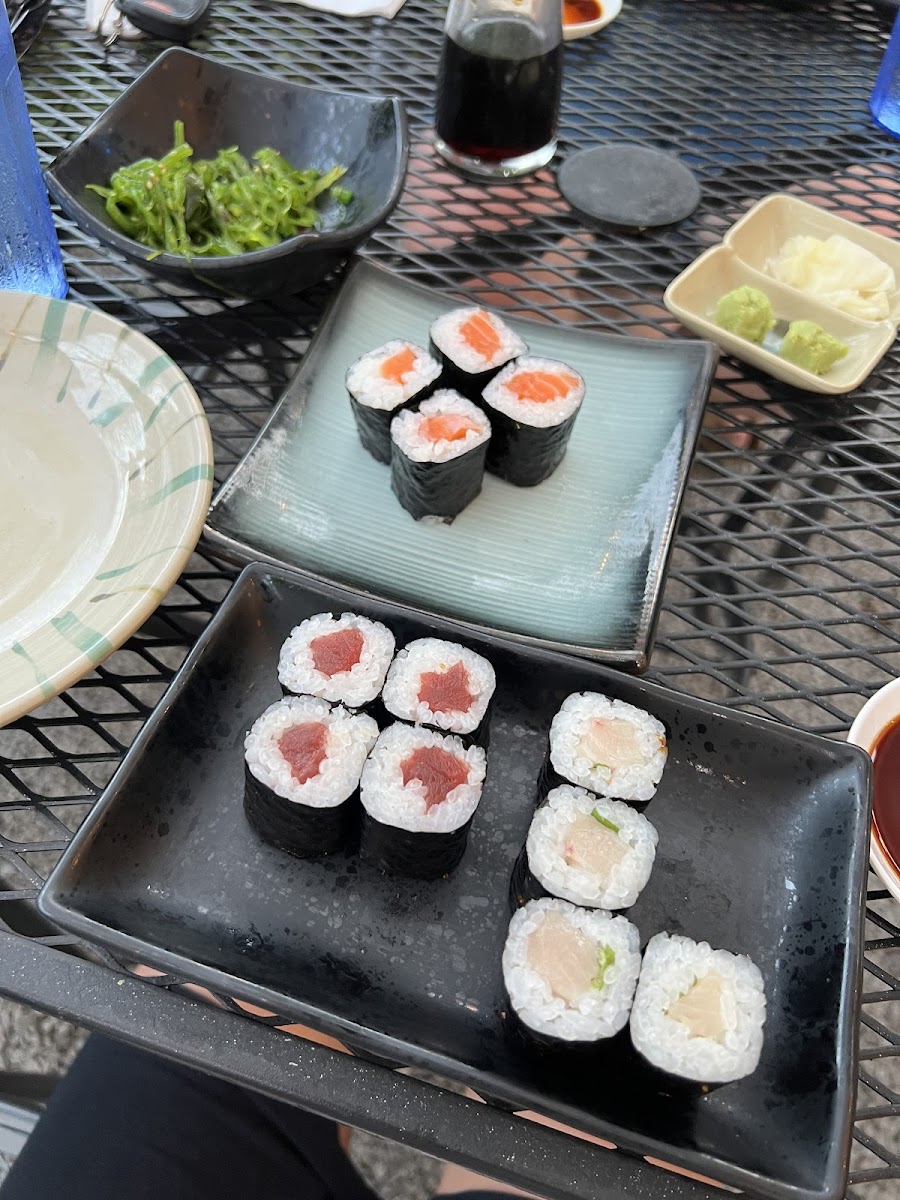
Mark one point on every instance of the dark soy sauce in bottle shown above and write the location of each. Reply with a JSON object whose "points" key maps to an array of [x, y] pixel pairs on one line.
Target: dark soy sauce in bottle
{"points": [[499, 86]]}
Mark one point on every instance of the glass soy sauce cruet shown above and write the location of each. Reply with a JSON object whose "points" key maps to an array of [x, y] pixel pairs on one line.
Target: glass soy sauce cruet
{"points": [[499, 85]]}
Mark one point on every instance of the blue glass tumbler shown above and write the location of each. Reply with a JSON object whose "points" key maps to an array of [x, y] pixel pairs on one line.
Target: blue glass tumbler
{"points": [[884, 103], [30, 260]]}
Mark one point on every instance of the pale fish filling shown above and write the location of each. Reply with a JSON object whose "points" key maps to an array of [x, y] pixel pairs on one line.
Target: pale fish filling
{"points": [[612, 743], [568, 961], [593, 847], [707, 1009]]}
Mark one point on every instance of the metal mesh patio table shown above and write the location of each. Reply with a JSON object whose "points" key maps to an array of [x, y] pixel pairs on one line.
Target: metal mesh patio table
{"points": [[783, 596]]}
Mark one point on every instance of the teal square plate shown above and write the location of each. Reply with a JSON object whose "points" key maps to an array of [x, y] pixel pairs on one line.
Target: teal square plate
{"points": [[575, 564]]}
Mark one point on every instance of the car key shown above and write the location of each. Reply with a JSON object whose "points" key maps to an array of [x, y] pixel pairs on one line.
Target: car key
{"points": [[174, 20]]}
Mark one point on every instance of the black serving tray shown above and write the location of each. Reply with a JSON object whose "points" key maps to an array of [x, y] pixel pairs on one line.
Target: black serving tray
{"points": [[763, 843]]}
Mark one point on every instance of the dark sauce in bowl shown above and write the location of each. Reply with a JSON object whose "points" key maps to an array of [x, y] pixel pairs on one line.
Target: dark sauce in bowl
{"points": [[886, 803], [577, 12]]}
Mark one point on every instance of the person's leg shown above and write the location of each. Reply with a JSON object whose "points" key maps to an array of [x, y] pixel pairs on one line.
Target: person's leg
{"points": [[124, 1125]]}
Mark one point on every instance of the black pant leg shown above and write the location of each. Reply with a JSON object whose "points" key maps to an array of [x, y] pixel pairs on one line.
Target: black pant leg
{"points": [[125, 1125]]}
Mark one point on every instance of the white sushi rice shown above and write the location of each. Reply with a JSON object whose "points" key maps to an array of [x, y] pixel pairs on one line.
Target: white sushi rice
{"points": [[672, 965], [401, 688], [621, 886], [368, 386], [599, 1012], [542, 415], [627, 782], [406, 434], [361, 684], [446, 336], [350, 738], [388, 800]]}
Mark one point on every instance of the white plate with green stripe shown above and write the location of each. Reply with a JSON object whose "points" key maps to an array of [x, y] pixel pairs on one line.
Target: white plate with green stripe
{"points": [[577, 563], [105, 478]]}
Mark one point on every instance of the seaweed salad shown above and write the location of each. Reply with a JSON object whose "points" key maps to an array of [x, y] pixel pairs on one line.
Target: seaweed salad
{"points": [[224, 205]]}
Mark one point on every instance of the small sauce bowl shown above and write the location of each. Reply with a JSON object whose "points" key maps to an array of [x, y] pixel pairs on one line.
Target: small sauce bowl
{"points": [[584, 17], [873, 723]]}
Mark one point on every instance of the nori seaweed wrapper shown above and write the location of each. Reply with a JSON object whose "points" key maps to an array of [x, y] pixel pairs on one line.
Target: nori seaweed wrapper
{"points": [[582, 1054], [523, 886], [374, 708], [466, 383], [418, 855], [374, 424], [550, 778], [663, 1083], [609, 1058], [297, 828], [525, 455], [437, 489]]}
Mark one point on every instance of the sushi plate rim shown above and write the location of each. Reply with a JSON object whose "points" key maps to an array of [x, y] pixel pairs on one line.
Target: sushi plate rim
{"points": [[156, 531], [635, 657], [252, 580]]}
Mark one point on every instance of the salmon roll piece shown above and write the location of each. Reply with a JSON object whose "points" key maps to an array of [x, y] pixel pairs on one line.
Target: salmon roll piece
{"points": [[570, 973], [440, 684], [381, 383], [532, 405], [437, 456], [303, 760], [699, 1013], [340, 659], [589, 850], [608, 747], [419, 793], [472, 345]]}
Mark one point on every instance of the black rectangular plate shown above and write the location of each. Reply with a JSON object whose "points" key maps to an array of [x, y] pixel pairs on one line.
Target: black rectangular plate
{"points": [[763, 835]]}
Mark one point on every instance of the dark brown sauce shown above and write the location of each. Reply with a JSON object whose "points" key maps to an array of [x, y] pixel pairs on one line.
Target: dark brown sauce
{"points": [[576, 12], [886, 805]]}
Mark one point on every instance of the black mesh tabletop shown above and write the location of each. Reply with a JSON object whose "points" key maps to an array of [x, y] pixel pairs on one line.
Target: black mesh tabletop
{"points": [[783, 597]]}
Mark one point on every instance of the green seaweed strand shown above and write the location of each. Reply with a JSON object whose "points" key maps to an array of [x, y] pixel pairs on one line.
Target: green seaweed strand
{"points": [[226, 205]]}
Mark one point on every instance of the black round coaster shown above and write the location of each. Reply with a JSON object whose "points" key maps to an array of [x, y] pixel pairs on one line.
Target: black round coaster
{"points": [[622, 183]]}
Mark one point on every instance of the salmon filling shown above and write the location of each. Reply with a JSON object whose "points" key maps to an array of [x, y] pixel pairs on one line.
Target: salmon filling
{"points": [[398, 366], [334, 653], [304, 748], [437, 770], [446, 427], [446, 691], [479, 333], [541, 387]]}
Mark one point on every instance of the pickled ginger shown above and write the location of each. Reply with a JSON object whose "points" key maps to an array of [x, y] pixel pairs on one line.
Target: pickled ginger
{"points": [[837, 272]]}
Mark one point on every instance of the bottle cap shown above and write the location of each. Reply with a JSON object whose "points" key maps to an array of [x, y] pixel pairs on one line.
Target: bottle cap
{"points": [[622, 183]]}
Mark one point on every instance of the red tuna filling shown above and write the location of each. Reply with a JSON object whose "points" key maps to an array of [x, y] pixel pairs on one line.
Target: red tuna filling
{"points": [[334, 653], [446, 691], [438, 770], [304, 748]]}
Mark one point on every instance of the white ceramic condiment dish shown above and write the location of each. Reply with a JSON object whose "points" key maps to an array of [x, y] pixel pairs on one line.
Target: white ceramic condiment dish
{"points": [[742, 258]]}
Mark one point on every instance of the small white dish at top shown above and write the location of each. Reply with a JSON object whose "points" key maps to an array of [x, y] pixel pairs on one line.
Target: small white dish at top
{"points": [[573, 30]]}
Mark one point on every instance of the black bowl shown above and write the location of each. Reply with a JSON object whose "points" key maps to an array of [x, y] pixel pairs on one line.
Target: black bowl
{"points": [[226, 106]]}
